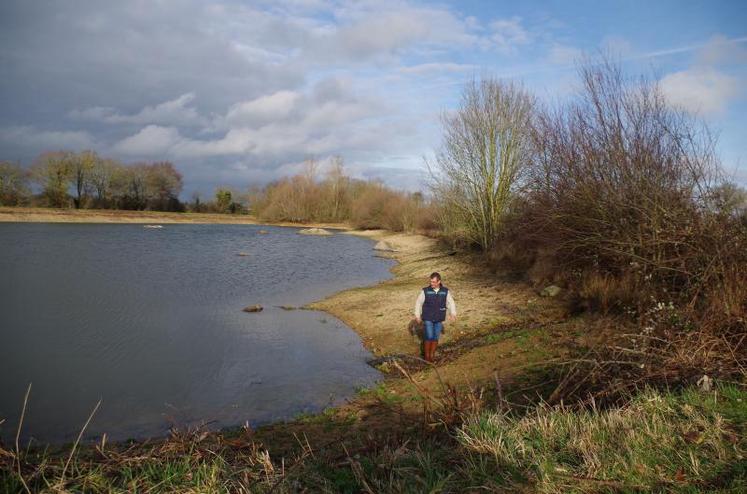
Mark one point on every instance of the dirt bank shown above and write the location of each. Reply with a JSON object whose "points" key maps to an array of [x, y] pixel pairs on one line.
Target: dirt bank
{"points": [[48, 215]]}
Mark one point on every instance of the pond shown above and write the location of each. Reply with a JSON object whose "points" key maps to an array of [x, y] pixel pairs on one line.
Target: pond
{"points": [[150, 322]]}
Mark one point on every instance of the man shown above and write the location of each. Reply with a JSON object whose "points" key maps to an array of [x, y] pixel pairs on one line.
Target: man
{"points": [[430, 308]]}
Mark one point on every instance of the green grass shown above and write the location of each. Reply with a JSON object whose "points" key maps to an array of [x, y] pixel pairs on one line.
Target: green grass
{"points": [[672, 442], [684, 442]]}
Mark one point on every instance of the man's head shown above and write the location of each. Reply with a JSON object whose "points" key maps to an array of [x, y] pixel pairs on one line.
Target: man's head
{"points": [[435, 280]]}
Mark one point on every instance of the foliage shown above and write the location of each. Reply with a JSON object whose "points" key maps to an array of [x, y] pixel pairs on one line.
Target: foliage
{"points": [[14, 189]]}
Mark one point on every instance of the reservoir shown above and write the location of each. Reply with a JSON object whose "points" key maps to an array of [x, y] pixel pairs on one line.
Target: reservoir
{"points": [[150, 322]]}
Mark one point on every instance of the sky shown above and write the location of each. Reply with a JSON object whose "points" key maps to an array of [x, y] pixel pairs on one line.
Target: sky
{"points": [[239, 93]]}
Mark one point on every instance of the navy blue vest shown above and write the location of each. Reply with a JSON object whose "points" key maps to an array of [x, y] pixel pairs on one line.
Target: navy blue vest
{"points": [[434, 307]]}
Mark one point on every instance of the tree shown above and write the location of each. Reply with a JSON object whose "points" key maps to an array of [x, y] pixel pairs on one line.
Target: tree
{"points": [[486, 147], [223, 200], [81, 169], [129, 185], [102, 176], [14, 188], [163, 185], [52, 171], [337, 186]]}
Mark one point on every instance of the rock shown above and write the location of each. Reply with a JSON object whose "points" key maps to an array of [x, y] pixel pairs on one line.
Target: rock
{"points": [[315, 231], [705, 383], [263, 232], [384, 246], [252, 308], [243, 254], [288, 307], [152, 226], [551, 291]]}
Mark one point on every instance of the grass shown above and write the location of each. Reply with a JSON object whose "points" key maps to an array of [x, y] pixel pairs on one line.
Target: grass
{"points": [[688, 442], [684, 442]]}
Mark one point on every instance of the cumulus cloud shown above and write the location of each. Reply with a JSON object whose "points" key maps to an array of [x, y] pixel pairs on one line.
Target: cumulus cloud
{"points": [[700, 89], [707, 87], [152, 140]]}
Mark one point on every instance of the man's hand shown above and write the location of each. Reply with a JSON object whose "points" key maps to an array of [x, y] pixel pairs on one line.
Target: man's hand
{"points": [[452, 318], [420, 321]]}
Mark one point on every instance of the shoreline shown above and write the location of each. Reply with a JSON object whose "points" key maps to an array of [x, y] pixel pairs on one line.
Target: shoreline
{"points": [[120, 216]]}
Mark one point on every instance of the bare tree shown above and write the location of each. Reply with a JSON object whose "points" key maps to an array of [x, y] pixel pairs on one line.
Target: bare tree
{"points": [[486, 147]]}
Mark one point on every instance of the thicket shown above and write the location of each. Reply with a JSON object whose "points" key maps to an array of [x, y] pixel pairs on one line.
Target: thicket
{"points": [[621, 200], [335, 197]]}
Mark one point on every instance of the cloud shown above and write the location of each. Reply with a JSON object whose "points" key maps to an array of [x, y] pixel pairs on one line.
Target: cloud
{"points": [[701, 90], [276, 106], [152, 140], [28, 137], [173, 112], [437, 68], [385, 31], [707, 87], [508, 35], [329, 117], [722, 50]]}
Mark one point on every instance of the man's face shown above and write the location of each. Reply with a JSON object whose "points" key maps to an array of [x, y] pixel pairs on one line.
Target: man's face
{"points": [[435, 283]]}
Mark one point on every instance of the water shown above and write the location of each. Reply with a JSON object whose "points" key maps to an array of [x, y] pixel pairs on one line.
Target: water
{"points": [[150, 322]]}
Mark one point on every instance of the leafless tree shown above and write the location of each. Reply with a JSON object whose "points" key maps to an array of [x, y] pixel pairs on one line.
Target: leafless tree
{"points": [[486, 147]]}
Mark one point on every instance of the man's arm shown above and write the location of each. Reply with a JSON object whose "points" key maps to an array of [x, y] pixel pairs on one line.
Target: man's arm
{"points": [[451, 306], [419, 305]]}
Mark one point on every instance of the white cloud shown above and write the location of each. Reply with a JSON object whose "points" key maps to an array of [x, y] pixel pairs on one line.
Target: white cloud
{"points": [[276, 106], [700, 89], [152, 140], [508, 34]]}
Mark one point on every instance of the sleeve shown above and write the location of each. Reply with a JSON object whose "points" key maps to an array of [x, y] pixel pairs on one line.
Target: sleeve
{"points": [[419, 304], [450, 304]]}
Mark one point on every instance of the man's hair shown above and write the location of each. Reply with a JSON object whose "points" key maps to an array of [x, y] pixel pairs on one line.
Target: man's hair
{"points": [[436, 275]]}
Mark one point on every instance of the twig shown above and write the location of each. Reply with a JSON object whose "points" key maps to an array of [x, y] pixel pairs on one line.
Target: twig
{"points": [[18, 434], [72, 451]]}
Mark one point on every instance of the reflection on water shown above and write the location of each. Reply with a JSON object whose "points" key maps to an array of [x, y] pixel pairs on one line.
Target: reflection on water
{"points": [[150, 322]]}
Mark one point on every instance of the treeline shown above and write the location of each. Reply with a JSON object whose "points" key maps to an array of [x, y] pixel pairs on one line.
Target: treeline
{"points": [[617, 196], [333, 196], [86, 180]]}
